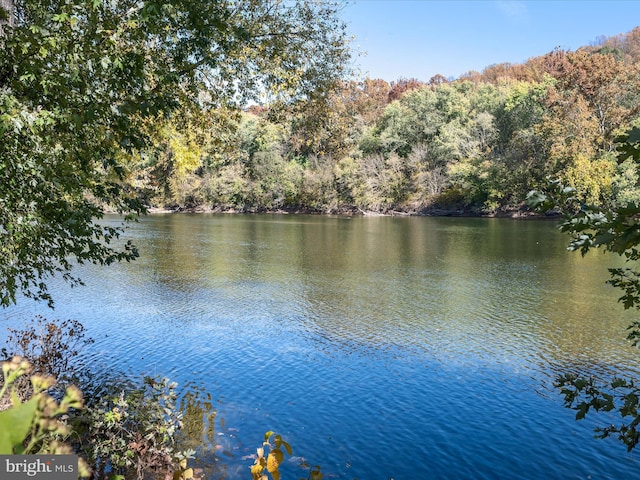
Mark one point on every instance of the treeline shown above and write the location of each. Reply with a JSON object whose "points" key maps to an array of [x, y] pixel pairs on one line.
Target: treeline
{"points": [[476, 144]]}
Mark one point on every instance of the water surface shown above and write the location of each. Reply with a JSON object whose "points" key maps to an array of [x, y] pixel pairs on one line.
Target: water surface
{"points": [[378, 347]]}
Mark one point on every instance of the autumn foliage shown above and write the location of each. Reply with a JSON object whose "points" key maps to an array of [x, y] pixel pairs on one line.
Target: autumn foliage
{"points": [[475, 144]]}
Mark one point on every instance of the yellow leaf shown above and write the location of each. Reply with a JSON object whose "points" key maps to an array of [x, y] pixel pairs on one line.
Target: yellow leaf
{"points": [[272, 463], [256, 469], [187, 474]]}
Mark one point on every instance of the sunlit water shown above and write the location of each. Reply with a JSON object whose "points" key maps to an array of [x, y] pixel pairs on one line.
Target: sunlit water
{"points": [[379, 348]]}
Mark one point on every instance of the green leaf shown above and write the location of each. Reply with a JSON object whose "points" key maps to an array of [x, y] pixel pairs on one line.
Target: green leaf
{"points": [[536, 197], [60, 17], [287, 447], [582, 410], [15, 424], [633, 135], [580, 383], [618, 382]]}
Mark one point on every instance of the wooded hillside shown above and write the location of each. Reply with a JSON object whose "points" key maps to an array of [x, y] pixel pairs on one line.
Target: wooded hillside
{"points": [[476, 144]]}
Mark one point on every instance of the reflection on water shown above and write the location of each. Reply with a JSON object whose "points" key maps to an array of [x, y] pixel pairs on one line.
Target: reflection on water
{"points": [[198, 433], [378, 347]]}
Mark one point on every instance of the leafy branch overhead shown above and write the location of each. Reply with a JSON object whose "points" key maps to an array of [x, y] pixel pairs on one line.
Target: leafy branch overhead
{"points": [[82, 84]]}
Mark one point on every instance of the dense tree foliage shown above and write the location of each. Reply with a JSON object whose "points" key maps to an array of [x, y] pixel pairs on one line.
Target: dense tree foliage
{"points": [[476, 144], [98, 95]]}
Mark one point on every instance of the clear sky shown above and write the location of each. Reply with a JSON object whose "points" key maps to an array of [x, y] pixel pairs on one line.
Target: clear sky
{"points": [[419, 38]]}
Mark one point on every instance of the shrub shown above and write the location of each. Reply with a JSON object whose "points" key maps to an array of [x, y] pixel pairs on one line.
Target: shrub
{"points": [[121, 429], [131, 431]]}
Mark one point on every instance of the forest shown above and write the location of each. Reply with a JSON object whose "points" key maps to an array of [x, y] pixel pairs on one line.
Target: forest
{"points": [[472, 145]]}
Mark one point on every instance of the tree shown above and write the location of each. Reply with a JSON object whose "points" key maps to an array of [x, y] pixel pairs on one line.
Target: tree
{"points": [[615, 229], [402, 86], [83, 84], [332, 127], [437, 79], [628, 44], [601, 88], [593, 98]]}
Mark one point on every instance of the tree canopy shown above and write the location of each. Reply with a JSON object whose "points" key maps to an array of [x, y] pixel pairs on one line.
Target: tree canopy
{"points": [[472, 145], [86, 84]]}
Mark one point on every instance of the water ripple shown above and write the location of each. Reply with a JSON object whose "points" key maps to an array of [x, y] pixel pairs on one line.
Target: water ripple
{"points": [[404, 348]]}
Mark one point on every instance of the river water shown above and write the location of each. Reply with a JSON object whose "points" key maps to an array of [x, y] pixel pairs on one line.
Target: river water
{"points": [[378, 347]]}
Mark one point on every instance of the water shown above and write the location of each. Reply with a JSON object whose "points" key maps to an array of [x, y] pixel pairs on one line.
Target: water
{"points": [[378, 347]]}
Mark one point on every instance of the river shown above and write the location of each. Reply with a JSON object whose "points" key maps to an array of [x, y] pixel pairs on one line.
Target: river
{"points": [[379, 347]]}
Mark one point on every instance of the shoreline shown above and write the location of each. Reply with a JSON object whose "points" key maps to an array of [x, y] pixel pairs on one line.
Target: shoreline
{"points": [[353, 212]]}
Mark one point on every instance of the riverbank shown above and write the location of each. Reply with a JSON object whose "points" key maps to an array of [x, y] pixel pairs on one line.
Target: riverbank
{"points": [[353, 212]]}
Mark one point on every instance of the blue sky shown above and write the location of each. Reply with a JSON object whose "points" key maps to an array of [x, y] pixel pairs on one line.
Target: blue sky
{"points": [[419, 38]]}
